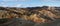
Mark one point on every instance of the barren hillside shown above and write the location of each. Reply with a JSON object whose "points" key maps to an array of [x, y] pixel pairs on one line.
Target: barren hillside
{"points": [[39, 15]]}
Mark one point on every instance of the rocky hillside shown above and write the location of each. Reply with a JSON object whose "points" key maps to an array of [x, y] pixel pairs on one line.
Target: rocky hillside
{"points": [[38, 15]]}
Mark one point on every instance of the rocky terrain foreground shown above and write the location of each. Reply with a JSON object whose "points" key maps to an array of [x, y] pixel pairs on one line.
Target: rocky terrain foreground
{"points": [[31, 16]]}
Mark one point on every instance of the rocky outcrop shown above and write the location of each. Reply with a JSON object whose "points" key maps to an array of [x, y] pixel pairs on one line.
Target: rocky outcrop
{"points": [[38, 16]]}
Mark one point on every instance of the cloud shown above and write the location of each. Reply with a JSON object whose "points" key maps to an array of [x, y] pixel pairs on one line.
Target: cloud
{"points": [[16, 5], [14, 0], [51, 0], [7, 5], [2, 4], [26, 0]]}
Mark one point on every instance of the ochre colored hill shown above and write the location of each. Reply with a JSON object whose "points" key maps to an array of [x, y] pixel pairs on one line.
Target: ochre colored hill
{"points": [[35, 15]]}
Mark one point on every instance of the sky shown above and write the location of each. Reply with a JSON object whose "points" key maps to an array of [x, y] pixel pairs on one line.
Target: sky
{"points": [[29, 3]]}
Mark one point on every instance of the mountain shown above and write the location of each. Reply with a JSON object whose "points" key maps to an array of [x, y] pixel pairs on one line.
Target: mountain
{"points": [[43, 14]]}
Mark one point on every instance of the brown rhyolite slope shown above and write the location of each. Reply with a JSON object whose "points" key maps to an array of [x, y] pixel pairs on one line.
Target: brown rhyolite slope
{"points": [[35, 15]]}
